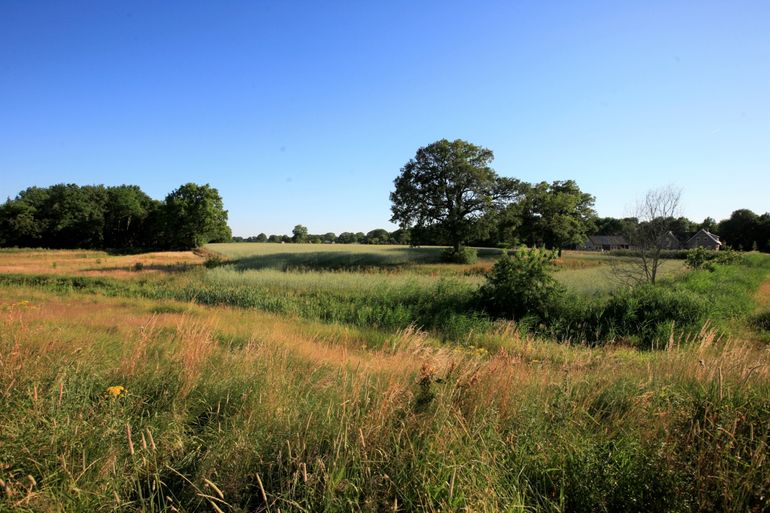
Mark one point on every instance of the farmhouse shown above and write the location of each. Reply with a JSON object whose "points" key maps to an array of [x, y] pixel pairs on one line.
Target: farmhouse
{"points": [[670, 241], [605, 243], [704, 239]]}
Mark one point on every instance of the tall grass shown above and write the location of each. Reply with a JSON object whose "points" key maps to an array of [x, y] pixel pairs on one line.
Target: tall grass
{"points": [[230, 410]]}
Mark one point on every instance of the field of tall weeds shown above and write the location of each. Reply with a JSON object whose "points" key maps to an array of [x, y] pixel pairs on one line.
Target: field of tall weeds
{"points": [[140, 404]]}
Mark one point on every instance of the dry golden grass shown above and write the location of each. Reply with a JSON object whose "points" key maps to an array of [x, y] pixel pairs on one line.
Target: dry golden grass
{"points": [[95, 263], [304, 402]]}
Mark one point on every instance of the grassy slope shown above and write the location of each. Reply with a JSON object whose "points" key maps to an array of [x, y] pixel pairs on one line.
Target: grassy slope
{"points": [[249, 411]]}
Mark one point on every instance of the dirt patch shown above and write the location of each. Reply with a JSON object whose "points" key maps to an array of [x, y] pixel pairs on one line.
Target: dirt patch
{"points": [[763, 295], [96, 263]]}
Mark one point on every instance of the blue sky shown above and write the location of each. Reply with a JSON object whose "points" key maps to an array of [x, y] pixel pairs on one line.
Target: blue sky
{"points": [[304, 112]]}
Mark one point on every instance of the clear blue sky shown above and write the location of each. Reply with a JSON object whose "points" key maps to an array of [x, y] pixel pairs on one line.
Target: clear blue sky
{"points": [[304, 112]]}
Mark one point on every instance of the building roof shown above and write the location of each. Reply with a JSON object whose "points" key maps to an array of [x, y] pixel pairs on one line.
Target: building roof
{"points": [[710, 235]]}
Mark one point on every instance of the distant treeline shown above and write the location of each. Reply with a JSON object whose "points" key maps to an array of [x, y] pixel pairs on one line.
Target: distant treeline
{"points": [[120, 218], [744, 230], [556, 214]]}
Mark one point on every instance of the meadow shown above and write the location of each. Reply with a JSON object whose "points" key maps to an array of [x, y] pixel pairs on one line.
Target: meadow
{"points": [[354, 379]]}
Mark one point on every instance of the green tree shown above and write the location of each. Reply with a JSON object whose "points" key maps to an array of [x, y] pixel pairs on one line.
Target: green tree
{"points": [[709, 224], [261, 237], [194, 215], [449, 185], [126, 213], [742, 229], [299, 234], [556, 214], [378, 236], [614, 226], [347, 238], [18, 225]]}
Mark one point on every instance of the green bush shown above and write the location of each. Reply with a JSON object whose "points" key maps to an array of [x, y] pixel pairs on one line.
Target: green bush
{"points": [[648, 314], [520, 285], [464, 255], [701, 258]]}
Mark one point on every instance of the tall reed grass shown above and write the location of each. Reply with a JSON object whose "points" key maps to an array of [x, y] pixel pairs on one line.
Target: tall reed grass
{"points": [[231, 410]]}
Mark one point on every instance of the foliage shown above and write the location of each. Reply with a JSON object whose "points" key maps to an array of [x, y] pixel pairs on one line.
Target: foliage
{"points": [[651, 314], [194, 409], [449, 186], [194, 215], [701, 258], [745, 230], [520, 285], [378, 236], [556, 215], [299, 234], [121, 217], [465, 255]]}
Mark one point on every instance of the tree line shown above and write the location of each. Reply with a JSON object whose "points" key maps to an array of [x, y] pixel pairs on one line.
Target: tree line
{"points": [[744, 230], [447, 194], [117, 217], [301, 235]]}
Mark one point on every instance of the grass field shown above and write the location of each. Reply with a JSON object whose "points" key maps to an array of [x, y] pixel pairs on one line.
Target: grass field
{"points": [[300, 383]]}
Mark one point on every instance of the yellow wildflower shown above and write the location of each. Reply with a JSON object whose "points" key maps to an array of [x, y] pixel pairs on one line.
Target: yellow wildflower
{"points": [[117, 390]]}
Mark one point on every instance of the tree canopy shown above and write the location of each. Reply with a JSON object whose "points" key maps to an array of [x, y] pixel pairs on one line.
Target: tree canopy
{"points": [[120, 217], [448, 186]]}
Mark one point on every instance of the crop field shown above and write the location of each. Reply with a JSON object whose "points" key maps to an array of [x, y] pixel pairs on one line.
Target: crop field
{"points": [[305, 378]]}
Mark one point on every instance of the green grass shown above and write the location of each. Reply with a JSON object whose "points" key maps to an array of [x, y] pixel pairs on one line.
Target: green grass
{"points": [[256, 389], [598, 280], [729, 289], [329, 256]]}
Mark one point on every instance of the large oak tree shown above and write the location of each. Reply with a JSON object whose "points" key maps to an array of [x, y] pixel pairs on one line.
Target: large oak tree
{"points": [[449, 186]]}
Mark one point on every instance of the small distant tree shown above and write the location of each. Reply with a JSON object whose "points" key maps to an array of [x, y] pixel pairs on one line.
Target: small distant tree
{"points": [[347, 238], [299, 234], [378, 236], [329, 237], [401, 236], [194, 215], [261, 237], [657, 214]]}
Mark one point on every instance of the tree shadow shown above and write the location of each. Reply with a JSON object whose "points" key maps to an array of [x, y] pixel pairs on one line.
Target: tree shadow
{"points": [[346, 260], [140, 267]]}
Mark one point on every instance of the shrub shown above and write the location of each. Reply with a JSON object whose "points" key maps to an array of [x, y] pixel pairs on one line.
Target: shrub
{"points": [[464, 255], [520, 285], [699, 258], [648, 313]]}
